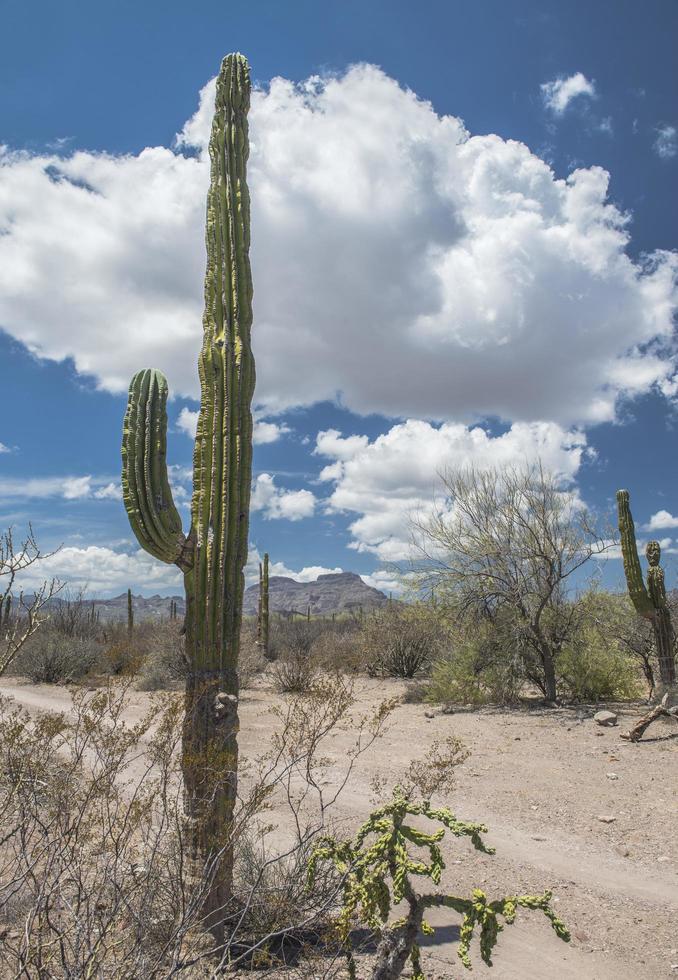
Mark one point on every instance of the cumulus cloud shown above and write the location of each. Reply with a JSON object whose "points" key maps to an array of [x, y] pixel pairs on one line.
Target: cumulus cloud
{"points": [[394, 478], [263, 432], [3, 448], [104, 571], [399, 263], [666, 143], [660, 521], [560, 92], [66, 487], [278, 504]]}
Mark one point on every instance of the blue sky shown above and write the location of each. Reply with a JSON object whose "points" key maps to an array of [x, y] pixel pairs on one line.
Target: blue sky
{"points": [[462, 248]]}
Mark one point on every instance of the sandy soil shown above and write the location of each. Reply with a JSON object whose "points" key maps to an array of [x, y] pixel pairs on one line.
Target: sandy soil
{"points": [[540, 780]]}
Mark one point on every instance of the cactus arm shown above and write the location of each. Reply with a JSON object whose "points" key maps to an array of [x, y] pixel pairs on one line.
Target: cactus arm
{"points": [[642, 602], [145, 485]]}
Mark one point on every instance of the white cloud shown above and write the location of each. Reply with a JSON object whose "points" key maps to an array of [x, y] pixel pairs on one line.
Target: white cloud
{"points": [[398, 263], [666, 143], [267, 432], [4, 448], [187, 422], [558, 93], [308, 574], [662, 519], [104, 571], [277, 504], [112, 491], [392, 479], [263, 433], [66, 487]]}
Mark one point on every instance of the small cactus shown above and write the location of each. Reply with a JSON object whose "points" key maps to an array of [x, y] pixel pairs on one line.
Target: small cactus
{"points": [[263, 616], [378, 870], [130, 611], [649, 601]]}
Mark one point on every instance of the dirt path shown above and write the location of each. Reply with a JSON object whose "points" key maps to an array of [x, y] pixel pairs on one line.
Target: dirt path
{"points": [[540, 780]]}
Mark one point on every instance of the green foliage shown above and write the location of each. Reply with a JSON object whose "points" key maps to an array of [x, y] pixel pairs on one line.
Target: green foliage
{"points": [[594, 669], [378, 869]]}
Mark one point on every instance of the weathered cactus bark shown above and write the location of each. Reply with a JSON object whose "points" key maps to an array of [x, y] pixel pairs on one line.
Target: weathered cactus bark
{"points": [[213, 554], [649, 601]]}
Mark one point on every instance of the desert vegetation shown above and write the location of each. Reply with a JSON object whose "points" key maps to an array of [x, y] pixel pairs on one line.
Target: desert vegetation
{"points": [[200, 800]]}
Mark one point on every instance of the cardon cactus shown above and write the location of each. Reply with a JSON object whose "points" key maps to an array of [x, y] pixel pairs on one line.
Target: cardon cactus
{"points": [[262, 624], [649, 601], [213, 553]]}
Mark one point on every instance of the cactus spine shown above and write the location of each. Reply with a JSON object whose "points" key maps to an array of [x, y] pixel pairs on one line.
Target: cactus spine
{"points": [[213, 554], [263, 618], [649, 601]]}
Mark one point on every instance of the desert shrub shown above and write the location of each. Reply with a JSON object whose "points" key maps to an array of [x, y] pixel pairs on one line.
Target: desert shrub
{"points": [[95, 871], [164, 664], [251, 662], [295, 673], [295, 668], [339, 646], [49, 657], [593, 670], [400, 641]]}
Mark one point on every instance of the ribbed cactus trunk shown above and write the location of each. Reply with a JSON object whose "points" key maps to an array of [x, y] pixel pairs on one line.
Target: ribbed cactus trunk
{"points": [[649, 601], [214, 553]]}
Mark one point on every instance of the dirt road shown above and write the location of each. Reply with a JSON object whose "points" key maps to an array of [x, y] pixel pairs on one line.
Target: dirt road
{"points": [[541, 781]]}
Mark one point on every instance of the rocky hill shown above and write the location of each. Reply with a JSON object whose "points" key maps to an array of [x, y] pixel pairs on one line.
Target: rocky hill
{"points": [[341, 592]]}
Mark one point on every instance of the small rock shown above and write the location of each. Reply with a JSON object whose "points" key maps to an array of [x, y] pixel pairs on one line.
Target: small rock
{"points": [[516, 738], [623, 851], [612, 775], [429, 714], [663, 859], [606, 819], [538, 837], [605, 718]]}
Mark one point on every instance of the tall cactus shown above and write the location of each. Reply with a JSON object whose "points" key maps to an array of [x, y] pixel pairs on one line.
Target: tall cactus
{"points": [[263, 619], [649, 601], [130, 611], [213, 554]]}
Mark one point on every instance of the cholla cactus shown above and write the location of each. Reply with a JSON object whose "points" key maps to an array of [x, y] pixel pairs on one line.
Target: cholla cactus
{"points": [[649, 601], [213, 554], [377, 870]]}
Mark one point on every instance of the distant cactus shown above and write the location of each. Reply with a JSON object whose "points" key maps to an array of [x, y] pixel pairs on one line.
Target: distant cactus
{"points": [[5, 611], [263, 614], [213, 554], [130, 611], [377, 870], [649, 601]]}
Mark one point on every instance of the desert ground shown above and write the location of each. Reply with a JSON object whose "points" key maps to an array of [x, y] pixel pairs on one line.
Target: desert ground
{"points": [[542, 780]]}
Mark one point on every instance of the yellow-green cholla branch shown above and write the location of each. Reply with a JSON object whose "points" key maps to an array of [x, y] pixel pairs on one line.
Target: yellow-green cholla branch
{"points": [[376, 868]]}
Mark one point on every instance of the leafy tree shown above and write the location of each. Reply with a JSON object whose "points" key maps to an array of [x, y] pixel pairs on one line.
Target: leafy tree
{"points": [[503, 545]]}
